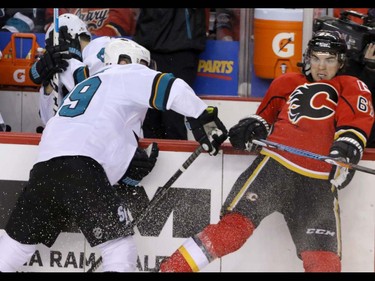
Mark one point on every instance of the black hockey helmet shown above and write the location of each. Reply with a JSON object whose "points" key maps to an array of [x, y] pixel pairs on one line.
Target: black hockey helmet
{"points": [[330, 41]]}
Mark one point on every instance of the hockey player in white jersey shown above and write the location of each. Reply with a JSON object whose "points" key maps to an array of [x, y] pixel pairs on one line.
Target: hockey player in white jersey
{"points": [[68, 59], [74, 59], [85, 149], [75, 72]]}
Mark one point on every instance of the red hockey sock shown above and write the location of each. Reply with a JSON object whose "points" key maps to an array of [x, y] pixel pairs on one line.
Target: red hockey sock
{"points": [[227, 236], [175, 263], [216, 240], [321, 261]]}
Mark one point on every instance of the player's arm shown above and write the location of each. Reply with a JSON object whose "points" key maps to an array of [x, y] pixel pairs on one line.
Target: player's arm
{"points": [[276, 97], [140, 166], [171, 93], [354, 110], [354, 121], [45, 106]]}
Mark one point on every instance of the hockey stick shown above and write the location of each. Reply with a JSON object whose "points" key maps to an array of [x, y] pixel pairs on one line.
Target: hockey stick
{"points": [[55, 79], [312, 155], [157, 197], [164, 189]]}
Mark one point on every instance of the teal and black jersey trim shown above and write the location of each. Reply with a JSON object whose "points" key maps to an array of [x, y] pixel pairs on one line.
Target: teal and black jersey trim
{"points": [[80, 74], [160, 90]]}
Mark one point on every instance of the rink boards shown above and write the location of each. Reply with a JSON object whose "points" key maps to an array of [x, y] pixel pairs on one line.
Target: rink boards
{"points": [[194, 200]]}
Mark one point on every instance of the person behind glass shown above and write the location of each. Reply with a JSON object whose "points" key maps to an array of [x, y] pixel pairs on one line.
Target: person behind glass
{"points": [[101, 21], [227, 24], [318, 111], [362, 65], [175, 38]]}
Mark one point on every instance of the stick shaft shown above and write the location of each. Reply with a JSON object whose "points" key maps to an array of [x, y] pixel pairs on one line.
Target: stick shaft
{"points": [[157, 197], [55, 43], [164, 189], [312, 155]]}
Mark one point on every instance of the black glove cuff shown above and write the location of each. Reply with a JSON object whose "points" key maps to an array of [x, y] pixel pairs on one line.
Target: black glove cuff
{"points": [[207, 116], [75, 53], [260, 119], [34, 74], [352, 142]]}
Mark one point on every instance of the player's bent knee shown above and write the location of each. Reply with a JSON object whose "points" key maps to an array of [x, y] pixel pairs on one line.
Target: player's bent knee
{"points": [[321, 261], [228, 235], [119, 255]]}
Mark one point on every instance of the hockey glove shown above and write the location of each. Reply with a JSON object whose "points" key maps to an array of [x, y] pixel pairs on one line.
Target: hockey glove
{"points": [[247, 129], [208, 130], [345, 149], [141, 165], [54, 60], [66, 41]]}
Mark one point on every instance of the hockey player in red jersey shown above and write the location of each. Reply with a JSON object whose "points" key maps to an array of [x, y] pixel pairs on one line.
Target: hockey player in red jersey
{"points": [[316, 111]]}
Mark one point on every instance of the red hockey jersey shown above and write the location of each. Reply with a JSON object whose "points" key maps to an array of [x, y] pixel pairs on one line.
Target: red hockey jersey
{"points": [[311, 116]]}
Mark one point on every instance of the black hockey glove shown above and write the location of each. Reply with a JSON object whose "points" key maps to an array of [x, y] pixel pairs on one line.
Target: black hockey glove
{"points": [[141, 165], [345, 149], [208, 130], [66, 41], [247, 129], [54, 60]]}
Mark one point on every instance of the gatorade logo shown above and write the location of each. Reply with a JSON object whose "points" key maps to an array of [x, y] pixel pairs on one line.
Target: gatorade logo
{"points": [[220, 69], [19, 75], [283, 44]]}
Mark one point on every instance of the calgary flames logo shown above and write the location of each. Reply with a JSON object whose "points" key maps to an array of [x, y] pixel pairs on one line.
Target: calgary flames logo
{"points": [[312, 101]]}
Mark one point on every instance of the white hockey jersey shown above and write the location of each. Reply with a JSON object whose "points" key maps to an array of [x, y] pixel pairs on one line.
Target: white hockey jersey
{"points": [[98, 117], [93, 58]]}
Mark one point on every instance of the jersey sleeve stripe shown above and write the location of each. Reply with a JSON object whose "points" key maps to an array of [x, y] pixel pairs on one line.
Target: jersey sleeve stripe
{"points": [[160, 90], [80, 74]]}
